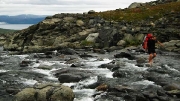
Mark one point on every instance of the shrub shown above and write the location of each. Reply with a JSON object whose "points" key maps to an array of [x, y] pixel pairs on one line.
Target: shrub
{"points": [[134, 42], [87, 43]]}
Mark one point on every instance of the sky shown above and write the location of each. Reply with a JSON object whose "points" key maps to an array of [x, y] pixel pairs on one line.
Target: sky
{"points": [[51, 7]]}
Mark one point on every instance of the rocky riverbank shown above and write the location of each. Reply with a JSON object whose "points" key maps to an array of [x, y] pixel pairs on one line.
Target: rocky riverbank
{"points": [[86, 30]]}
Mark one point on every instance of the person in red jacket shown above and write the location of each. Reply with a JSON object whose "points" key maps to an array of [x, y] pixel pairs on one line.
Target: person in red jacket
{"points": [[150, 47]]}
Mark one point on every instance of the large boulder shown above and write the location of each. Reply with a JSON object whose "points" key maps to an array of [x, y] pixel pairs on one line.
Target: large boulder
{"points": [[91, 12], [71, 75], [92, 37], [135, 5], [172, 45], [45, 92]]}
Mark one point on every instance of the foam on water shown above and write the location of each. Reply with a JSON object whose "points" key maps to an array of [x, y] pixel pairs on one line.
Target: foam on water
{"points": [[133, 67], [28, 81], [3, 81], [106, 72], [86, 82], [87, 92], [89, 81], [100, 71], [94, 62], [69, 84], [48, 73], [83, 99], [78, 89], [35, 65], [52, 78], [5, 56], [3, 71], [42, 71], [143, 82], [172, 69], [21, 56], [48, 63]]}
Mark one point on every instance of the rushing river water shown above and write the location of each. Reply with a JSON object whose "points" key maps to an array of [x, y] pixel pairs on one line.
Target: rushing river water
{"points": [[12, 74], [82, 94]]}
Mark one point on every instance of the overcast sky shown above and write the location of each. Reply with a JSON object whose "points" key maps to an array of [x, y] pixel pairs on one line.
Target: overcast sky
{"points": [[51, 7]]}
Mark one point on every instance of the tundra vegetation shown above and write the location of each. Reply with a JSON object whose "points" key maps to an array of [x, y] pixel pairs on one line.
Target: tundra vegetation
{"points": [[140, 13]]}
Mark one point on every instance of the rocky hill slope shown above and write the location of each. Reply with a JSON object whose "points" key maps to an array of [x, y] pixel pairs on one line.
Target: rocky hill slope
{"points": [[92, 30]]}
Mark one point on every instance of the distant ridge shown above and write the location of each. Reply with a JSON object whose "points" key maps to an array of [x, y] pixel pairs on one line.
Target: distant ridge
{"points": [[21, 19]]}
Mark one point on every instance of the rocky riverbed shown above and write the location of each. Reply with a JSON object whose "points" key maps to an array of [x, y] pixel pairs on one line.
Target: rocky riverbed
{"points": [[121, 75]]}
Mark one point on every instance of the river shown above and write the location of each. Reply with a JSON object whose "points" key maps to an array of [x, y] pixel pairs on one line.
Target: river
{"points": [[12, 75]]}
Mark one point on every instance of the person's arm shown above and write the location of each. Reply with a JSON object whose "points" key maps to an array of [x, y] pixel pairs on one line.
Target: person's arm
{"points": [[145, 46], [159, 43]]}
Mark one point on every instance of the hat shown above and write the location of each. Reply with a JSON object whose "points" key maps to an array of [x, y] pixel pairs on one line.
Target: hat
{"points": [[149, 35]]}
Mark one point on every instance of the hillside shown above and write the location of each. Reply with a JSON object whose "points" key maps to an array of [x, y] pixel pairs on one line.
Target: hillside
{"points": [[150, 11], [108, 30]]}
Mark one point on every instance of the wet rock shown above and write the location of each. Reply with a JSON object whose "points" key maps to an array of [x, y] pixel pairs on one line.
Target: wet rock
{"points": [[67, 51], [140, 60], [101, 51], [42, 56], [157, 78], [85, 55], [45, 67], [71, 75], [77, 65], [25, 63], [124, 55], [121, 88], [174, 93], [45, 92], [50, 53], [26, 95], [12, 90], [172, 86], [121, 73], [102, 87], [71, 60], [111, 67]]}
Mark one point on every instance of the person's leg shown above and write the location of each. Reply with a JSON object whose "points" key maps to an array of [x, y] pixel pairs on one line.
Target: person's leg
{"points": [[154, 55], [150, 58]]}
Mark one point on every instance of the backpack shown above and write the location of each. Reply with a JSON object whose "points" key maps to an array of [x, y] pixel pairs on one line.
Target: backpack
{"points": [[146, 38]]}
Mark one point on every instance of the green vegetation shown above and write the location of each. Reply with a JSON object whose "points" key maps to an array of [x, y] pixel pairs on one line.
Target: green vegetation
{"points": [[141, 13], [4, 31], [134, 42], [87, 43]]}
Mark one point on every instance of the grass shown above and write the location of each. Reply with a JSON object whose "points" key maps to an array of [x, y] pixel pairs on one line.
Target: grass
{"points": [[4, 31], [141, 13]]}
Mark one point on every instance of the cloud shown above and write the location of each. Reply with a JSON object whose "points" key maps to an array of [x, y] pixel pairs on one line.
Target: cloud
{"points": [[51, 7]]}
